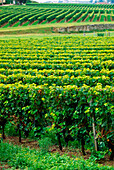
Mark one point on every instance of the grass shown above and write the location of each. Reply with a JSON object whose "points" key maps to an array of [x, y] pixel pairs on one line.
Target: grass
{"points": [[39, 36], [25, 158], [52, 25], [42, 28]]}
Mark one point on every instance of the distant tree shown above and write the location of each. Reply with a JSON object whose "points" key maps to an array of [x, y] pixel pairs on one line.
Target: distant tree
{"points": [[29, 1], [9, 1], [20, 2]]}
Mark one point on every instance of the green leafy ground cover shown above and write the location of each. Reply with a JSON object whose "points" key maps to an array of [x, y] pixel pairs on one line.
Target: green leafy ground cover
{"points": [[31, 159]]}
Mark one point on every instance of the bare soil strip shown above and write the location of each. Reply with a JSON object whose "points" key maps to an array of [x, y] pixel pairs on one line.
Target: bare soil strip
{"points": [[14, 23], [85, 18], [33, 22], [92, 18], [4, 24], [78, 19]]}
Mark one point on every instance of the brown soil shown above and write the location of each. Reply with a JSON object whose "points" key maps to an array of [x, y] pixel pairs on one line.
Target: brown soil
{"points": [[6, 5], [85, 18], [4, 166], [33, 22], [4, 24], [23, 23], [69, 151], [69, 19], [92, 18], [105, 19], [51, 20], [78, 19], [41, 22], [60, 20], [111, 18], [99, 18], [14, 23]]}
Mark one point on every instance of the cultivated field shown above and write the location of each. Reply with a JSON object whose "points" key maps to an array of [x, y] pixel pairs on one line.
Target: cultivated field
{"points": [[32, 14], [56, 90]]}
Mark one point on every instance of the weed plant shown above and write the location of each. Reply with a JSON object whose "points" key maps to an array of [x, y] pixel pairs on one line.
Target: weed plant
{"points": [[31, 159], [44, 144]]}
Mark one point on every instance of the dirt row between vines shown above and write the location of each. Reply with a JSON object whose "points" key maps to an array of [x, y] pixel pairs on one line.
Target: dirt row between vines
{"points": [[32, 144]]}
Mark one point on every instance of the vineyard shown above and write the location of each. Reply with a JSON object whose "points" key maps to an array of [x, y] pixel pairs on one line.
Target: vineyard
{"points": [[33, 14], [60, 84]]}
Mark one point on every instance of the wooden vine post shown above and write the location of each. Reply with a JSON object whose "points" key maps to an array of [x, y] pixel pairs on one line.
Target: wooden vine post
{"points": [[3, 134], [3, 123], [20, 118], [94, 131], [20, 132], [59, 141]]}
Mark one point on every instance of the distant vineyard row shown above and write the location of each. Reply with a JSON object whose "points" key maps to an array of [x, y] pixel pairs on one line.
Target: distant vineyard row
{"points": [[16, 16], [68, 5]]}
